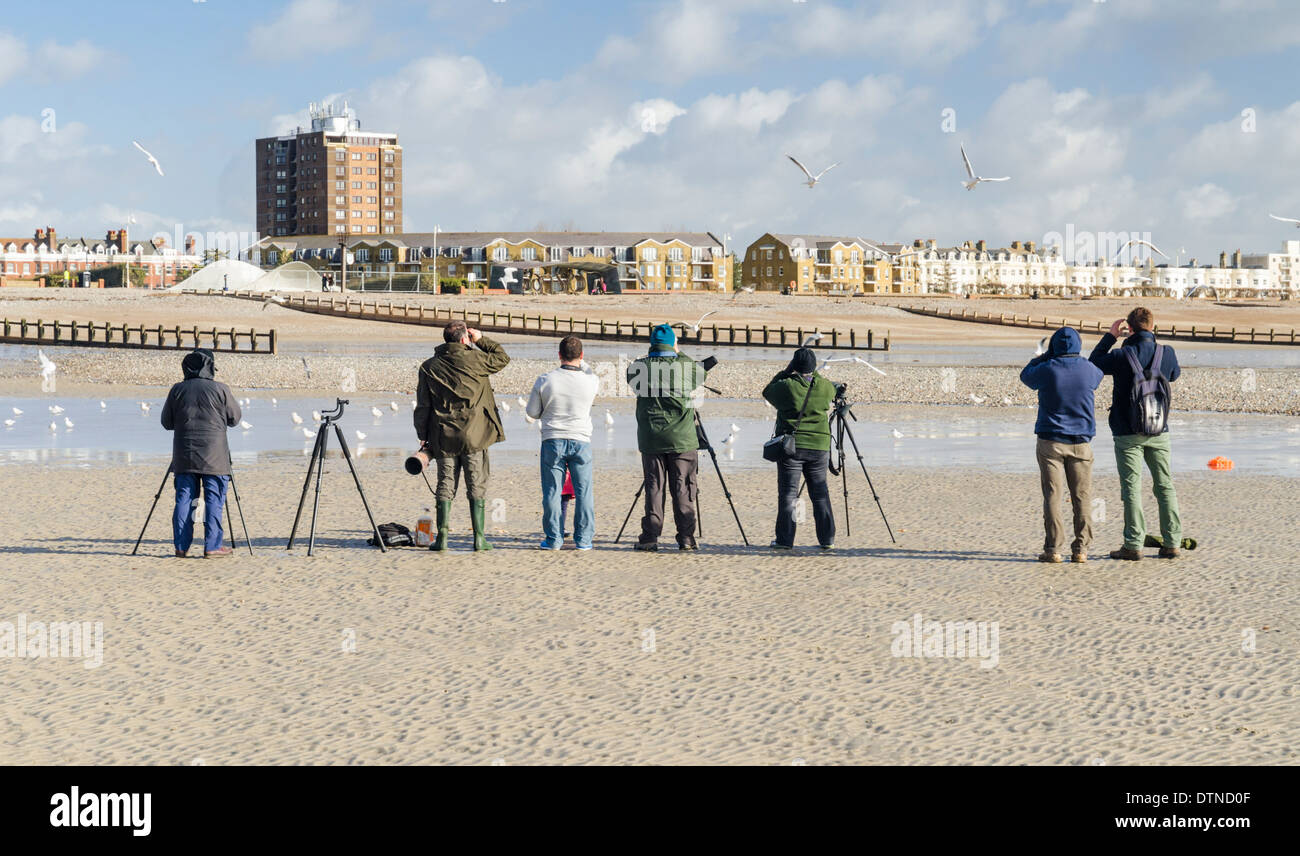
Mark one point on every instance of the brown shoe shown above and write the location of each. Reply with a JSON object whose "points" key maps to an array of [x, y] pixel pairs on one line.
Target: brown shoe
{"points": [[219, 553], [1169, 552], [1126, 554], [1079, 558], [182, 554], [1050, 558]]}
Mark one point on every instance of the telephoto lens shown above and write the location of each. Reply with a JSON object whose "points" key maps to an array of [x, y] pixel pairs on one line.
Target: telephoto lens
{"points": [[417, 461]]}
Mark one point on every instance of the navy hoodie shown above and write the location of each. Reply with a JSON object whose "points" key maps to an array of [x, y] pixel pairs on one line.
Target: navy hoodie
{"points": [[1116, 364], [1065, 382]]}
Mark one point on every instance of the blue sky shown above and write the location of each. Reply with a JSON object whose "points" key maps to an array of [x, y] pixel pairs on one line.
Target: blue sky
{"points": [[1124, 115]]}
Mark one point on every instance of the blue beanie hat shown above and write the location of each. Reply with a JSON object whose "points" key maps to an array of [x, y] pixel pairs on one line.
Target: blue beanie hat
{"points": [[663, 334]]}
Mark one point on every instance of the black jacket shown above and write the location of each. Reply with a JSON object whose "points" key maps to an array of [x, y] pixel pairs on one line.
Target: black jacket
{"points": [[1114, 363], [198, 410]]}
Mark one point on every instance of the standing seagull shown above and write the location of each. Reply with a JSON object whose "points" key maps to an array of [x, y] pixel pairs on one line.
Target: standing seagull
{"points": [[971, 178], [1286, 220], [153, 160], [48, 368], [812, 179]]}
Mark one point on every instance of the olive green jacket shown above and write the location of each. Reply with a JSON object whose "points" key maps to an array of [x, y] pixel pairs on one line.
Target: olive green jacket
{"points": [[786, 393], [455, 410], [664, 383]]}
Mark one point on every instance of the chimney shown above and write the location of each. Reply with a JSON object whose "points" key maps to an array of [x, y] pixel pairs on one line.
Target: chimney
{"points": [[1029, 246], [934, 245], [189, 245], [1192, 263], [1223, 259], [40, 235], [1236, 259], [121, 239], [1015, 245], [916, 243], [54, 242], [980, 245]]}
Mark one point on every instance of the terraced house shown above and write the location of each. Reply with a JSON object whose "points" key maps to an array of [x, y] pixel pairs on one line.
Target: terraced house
{"points": [[825, 264], [47, 259], [647, 262]]}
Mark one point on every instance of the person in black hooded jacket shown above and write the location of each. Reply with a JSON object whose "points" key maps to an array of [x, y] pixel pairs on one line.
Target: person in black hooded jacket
{"points": [[199, 409]]}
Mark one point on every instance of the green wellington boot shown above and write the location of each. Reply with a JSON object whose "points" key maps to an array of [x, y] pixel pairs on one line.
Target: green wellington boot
{"points": [[444, 515], [476, 509]]}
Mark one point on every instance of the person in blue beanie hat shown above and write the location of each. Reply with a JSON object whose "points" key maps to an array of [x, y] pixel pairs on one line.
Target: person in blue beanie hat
{"points": [[1066, 383]]}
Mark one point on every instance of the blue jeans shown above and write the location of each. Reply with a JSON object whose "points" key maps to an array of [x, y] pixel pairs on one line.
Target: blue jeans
{"points": [[187, 496], [557, 455]]}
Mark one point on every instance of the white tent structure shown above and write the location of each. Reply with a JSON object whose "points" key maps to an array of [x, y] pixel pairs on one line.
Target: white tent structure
{"points": [[225, 274], [294, 276]]}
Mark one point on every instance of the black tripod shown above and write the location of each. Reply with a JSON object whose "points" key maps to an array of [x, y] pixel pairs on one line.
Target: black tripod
{"points": [[317, 463], [703, 444], [230, 523], [840, 429]]}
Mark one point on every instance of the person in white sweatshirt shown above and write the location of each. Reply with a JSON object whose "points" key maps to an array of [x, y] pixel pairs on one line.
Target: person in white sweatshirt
{"points": [[562, 400]]}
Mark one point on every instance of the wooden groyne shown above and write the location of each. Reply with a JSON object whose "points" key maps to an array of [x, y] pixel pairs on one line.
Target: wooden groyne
{"points": [[158, 337], [1184, 332], [526, 324]]}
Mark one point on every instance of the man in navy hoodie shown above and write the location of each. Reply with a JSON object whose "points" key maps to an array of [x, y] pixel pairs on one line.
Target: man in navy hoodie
{"points": [[1133, 449], [1065, 382]]}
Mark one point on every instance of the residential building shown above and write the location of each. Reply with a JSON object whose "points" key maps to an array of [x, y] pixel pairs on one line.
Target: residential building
{"points": [[48, 259], [645, 261], [824, 264], [331, 179]]}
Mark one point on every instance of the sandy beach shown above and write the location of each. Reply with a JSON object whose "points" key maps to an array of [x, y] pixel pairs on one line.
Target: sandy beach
{"points": [[734, 655]]}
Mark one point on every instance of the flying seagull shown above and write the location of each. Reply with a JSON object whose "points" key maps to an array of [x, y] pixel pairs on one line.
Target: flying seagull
{"points": [[1286, 220], [811, 339], [306, 368], [274, 298], [153, 160], [609, 419], [695, 328], [748, 289], [852, 359], [1141, 243], [1042, 347], [812, 179], [971, 178]]}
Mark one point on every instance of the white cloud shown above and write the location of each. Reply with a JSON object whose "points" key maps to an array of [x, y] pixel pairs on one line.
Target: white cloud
{"points": [[51, 61], [1207, 202], [309, 27]]}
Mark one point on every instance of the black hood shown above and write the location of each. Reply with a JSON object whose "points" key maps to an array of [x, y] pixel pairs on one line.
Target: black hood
{"points": [[198, 363]]}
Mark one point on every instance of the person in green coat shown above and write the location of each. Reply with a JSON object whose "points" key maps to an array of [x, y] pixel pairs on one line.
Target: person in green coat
{"points": [[456, 420], [812, 436], [664, 383]]}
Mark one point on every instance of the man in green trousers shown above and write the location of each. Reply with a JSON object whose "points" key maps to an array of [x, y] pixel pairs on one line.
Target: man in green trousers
{"points": [[456, 420], [1132, 446]]}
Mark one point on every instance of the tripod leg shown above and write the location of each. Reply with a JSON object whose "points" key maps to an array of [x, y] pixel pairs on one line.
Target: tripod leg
{"points": [[347, 455], [240, 507], [727, 493], [230, 528], [302, 500], [857, 453], [630, 509], [149, 516], [320, 472]]}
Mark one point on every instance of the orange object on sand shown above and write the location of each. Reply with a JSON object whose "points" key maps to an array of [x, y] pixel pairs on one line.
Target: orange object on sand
{"points": [[1220, 463]]}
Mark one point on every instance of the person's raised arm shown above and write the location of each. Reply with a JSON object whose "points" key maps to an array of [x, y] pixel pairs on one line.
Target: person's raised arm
{"points": [[495, 356]]}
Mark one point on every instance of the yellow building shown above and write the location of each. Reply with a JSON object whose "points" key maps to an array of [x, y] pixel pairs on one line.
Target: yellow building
{"points": [[824, 264]]}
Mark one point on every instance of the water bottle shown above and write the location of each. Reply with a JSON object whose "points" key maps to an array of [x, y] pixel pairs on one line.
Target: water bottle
{"points": [[424, 529]]}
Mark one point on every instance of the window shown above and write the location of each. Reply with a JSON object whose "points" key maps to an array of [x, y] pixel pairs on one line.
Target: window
{"points": [[388, 200], [363, 255], [356, 185], [356, 200], [386, 255], [340, 155], [356, 215], [388, 157], [340, 172], [340, 200], [370, 170], [340, 185], [375, 230], [340, 214], [356, 155], [388, 172], [650, 254], [371, 156], [370, 185], [356, 170], [389, 185], [499, 254], [371, 200], [675, 254], [279, 173], [769, 258]]}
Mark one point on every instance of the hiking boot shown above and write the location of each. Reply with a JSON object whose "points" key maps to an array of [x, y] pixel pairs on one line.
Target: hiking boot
{"points": [[688, 545], [1126, 554], [646, 547], [477, 507], [444, 515], [219, 553], [1168, 553], [1079, 558], [182, 554], [1050, 558], [777, 545]]}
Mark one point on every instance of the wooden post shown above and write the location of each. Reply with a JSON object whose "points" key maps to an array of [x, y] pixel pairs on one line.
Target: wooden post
{"points": [[853, 338], [871, 335]]}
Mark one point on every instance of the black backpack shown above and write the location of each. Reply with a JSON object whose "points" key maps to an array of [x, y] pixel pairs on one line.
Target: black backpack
{"points": [[394, 535], [1148, 405]]}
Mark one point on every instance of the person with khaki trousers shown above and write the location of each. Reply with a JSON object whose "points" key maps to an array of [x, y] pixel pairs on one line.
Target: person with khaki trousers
{"points": [[1066, 383]]}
